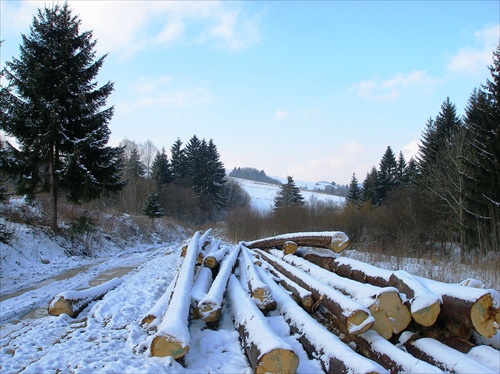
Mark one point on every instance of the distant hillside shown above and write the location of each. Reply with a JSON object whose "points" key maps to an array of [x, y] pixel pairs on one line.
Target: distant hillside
{"points": [[253, 175]]}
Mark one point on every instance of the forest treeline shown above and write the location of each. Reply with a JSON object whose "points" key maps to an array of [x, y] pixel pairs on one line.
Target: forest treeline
{"points": [[253, 175]]}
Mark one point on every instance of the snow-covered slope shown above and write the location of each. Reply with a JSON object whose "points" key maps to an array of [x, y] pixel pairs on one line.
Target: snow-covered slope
{"points": [[262, 195]]}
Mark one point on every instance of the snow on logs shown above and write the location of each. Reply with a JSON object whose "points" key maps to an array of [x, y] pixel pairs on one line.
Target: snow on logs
{"points": [[336, 241], [442, 356], [463, 309], [266, 351], [384, 303], [73, 302], [172, 338], [334, 355], [210, 306], [354, 317], [251, 281]]}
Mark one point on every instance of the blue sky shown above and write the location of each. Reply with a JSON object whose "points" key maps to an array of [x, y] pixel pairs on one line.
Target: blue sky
{"points": [[315, 90]]}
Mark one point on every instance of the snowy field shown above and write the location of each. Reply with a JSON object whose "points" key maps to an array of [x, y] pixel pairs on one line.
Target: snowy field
{"points": [[263, 194]]}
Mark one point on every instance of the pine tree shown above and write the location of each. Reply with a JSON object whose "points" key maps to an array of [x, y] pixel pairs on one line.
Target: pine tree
{"points": [[134, 168], [402, 171], [354, 192], [3, 166], [161, 169], [288, 196], [214, 176], [152, 207], [387, 176], [178, 162], [369, 191], [53, 109], [482, 121]]}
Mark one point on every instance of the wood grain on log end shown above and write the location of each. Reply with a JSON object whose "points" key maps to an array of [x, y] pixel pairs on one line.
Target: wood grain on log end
{"points": [[62, 306], [397, 312], [290, 248], [148, 319], [382, 325], [163, 346], [358, 318], [277, 361], [427, 316], [208, 313], [338, 245], [482, 316]]}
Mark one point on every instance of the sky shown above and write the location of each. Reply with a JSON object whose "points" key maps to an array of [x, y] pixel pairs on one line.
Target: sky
{"points": [[314, 90]]}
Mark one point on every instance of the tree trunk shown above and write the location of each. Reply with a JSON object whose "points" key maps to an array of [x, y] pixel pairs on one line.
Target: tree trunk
{"points": [[52, 192]]}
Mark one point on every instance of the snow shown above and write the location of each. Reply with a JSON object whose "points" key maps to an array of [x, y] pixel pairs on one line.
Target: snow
{"points": [[327, 345], [262, 195], [175, 320]]}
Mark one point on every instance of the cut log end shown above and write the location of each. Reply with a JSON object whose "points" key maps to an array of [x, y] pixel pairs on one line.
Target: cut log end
{"points": [[397, 312], [290, 248], [482, 316], [210, 262], [61, 306], [148, 319], [357, 322], [427, 316], [338, 245], [208, 313], [277, 361], [163, 346]]}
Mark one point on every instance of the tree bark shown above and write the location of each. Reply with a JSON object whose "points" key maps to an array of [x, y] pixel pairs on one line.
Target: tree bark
{"points": [[336, 241]]}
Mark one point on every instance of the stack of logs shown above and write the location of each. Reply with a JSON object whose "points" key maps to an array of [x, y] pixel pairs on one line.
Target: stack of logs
{"points": [[340, 301]]}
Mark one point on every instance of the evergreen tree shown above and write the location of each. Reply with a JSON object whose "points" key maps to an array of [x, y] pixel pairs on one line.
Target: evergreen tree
{"points": [[214, 176], [178, 161], [54, 110], [152, 207], [161, 170], [482, 121], [387, 176], [412, 172], [369, 191], [354, 192], [402, 171], [134, 168], [3, 166], [288, 196]]}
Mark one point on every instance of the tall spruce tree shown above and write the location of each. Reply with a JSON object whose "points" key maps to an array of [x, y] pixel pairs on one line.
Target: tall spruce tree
{"points": [[178, 162], [161, 169], [387, 176], [53, 107], [152, 207], [482, 121], [369, 191], [288, 196], [354, 193], [214, 177]]}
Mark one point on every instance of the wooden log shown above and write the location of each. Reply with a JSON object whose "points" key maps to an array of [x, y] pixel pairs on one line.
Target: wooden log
{"points": [[441, 356], [73, 302], [153, 317], [334, 355], [362, 272], [290, 247], [371, 345], [355, 318], [200, 289], [210, 306], [334, 240], [449, 339], [266, 352], [213, 260], [384, 303], [470, 307], [259, 291], [425, 306], [172, 337], [303, 296]]}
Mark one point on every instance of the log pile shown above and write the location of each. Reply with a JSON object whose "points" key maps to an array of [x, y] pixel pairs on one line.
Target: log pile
{"points": [[349, 315]]}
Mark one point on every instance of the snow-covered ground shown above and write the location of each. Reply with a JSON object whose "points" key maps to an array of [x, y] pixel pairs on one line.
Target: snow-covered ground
{"points": [[107, 336], [262, 195]]}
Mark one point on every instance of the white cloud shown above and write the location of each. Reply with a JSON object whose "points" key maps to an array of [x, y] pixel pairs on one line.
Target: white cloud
{"points": [[392, 88], [473, 59], [186, 97], [340, 164], [411, 149], [128, 27]]}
